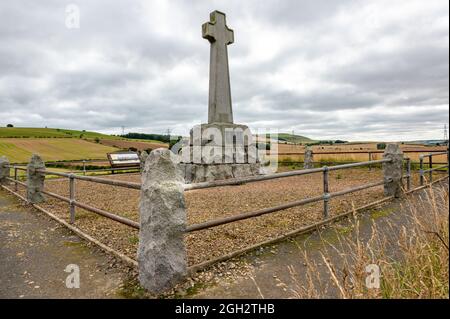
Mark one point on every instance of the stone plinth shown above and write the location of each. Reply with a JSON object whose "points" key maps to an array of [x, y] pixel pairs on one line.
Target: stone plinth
{"points": [[197, 173], [217, 151]]}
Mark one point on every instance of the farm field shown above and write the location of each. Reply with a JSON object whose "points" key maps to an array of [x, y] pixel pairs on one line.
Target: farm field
{"points": [[30, 132], [19, 150], [286, 150], [140, 145], [203, 205]]}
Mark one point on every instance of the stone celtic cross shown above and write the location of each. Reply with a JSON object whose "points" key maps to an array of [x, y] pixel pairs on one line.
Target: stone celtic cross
{"points": [[219, 35]]}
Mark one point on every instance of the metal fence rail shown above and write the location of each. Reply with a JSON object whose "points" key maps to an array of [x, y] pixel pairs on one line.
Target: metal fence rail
{"points": [[430, 169], [439, 152], [252, 179], [325, 197], [71, 199], [94, 179]]}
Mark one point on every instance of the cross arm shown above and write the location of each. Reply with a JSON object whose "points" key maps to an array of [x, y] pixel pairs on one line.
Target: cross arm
{"points": [[229, 36], [208, 31]]}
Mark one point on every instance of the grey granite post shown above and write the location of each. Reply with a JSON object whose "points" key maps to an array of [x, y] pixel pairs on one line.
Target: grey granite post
{"points": [[143, 157], [309, 158], [35, 180], [161, 252], [393, 170], [4, 171]]}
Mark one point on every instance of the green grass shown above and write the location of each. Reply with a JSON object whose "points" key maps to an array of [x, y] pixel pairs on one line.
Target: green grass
{"points": [[35, 132]]}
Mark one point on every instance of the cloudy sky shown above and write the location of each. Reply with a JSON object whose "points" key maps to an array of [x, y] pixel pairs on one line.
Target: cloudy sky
{"points": [[355, 70]]}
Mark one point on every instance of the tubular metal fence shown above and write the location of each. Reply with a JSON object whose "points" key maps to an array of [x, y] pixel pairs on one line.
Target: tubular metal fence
{"points": [[325, 197], [71, 199], [431, 169]]}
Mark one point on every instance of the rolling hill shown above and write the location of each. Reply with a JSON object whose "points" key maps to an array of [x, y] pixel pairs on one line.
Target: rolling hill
{"points": [[34, 132], [295, 139]]}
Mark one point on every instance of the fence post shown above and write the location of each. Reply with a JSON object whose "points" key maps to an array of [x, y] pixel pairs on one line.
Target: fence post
{"points": [[15, 179], [408, 173], [35, 180], [448, 163], [162, 253], [72, 198], [393, 170], [421, 170], [308, 161], [370, 160], [4, 169], [326, 193], [84, 167], [142, 158], [430, 164]]}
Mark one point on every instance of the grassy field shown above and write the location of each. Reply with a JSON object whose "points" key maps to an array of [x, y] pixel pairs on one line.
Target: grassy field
{"points": [[34, 132], [19, 150]]}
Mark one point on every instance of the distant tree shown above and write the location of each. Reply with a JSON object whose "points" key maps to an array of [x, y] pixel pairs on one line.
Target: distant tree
{"points": [[9, 125], [142, 136], [381, 146], [97, 140]]}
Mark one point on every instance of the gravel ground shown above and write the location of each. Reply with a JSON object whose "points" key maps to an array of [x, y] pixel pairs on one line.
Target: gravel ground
{"points": [[213, 203]]}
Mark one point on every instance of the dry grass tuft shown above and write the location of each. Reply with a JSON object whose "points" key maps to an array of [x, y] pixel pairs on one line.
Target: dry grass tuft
{"points": [[413, 258]]}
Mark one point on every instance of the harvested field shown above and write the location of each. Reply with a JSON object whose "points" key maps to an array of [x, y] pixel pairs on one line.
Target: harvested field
{"points": [[19, 150], [213, 203], [294, 153], [294, 148], [139, 145]]}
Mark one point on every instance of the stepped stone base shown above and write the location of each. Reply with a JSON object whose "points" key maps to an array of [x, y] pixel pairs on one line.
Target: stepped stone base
{"points": [[197, 173]]}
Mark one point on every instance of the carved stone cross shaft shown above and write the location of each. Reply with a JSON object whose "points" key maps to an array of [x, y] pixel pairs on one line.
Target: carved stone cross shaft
{"points": [[219, 35]]}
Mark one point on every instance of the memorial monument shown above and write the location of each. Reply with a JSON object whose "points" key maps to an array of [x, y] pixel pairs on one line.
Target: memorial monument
{"points": [[219, 149]]}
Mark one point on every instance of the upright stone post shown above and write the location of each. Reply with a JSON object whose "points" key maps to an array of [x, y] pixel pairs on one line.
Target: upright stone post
{"points": [[161, 252], [393, 170], [35, 180], [142, 158], [309, 158], [4, 169]]}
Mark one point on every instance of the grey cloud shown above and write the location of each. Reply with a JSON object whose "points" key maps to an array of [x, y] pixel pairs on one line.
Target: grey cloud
{"points": [[124, 66]]}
